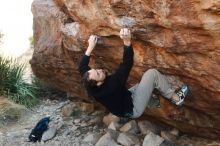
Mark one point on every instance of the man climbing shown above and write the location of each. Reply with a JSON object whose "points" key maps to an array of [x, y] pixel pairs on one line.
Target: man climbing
{"points": [[110, 90]]}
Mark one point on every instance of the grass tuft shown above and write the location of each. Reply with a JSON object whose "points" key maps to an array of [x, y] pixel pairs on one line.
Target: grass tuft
{"points": [[14, 86]]}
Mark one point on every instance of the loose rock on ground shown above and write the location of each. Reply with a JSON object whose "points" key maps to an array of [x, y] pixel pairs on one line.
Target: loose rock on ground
{"points": [[80, 127]]}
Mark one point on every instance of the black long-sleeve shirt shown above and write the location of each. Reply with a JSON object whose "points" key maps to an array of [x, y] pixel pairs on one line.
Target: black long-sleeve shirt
{"points": [[113, 93]]}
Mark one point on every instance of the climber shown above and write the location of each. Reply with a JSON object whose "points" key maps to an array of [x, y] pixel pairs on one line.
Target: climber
{"points": [[110, 90]]}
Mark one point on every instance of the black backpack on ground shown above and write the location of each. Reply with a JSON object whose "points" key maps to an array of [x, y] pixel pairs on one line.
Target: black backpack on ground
{"points": [[39, 129]]}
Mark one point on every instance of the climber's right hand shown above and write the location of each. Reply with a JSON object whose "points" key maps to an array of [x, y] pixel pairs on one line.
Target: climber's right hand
{"points": [[125, 35]]}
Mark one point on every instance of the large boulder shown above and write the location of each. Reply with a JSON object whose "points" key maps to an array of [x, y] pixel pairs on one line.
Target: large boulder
{"points": [[179, 38]]}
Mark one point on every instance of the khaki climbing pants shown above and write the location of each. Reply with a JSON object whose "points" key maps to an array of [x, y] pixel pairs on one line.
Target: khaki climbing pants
{"points": [[141, 92]]}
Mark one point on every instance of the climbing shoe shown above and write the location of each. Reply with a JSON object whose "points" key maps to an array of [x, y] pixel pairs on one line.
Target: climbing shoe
{"points": [[181, 94]]}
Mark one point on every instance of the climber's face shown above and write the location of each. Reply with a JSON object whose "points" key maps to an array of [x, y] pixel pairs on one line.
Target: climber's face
{"points": [[98, 75]]}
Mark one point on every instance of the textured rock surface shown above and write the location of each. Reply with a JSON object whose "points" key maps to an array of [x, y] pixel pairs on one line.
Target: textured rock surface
{"points": [[179, 38]]}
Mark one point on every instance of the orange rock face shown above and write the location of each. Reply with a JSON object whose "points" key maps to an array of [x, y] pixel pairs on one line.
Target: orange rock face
{"points": [[179, 38]]}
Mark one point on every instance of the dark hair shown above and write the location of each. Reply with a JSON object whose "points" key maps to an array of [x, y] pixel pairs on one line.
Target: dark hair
{"points": [[88, 83]]}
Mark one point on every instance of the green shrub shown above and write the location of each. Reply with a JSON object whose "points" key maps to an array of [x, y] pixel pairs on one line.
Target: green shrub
{"points": [[14, 86]]}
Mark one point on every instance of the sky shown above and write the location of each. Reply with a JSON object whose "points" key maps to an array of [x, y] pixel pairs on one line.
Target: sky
{"points": [[16, 25]]}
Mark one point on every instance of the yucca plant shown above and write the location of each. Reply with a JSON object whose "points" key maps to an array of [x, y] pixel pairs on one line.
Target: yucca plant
{"points": [[13, 85]]}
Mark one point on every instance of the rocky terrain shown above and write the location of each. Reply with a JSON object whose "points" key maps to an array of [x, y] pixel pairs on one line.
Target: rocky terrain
{"points": [[179, 38], [81, 124]]}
